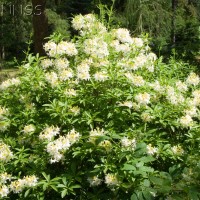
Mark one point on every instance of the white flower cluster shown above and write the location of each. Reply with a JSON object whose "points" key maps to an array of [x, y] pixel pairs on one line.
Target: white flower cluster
{"points": [[119, 47], [95, 134], [123, 35], [106, 144], [70, 92], [61, 63], [128, 143], [29, 129], [63, 48], [174, 97], [94, 181], [196, 100], [157, 87], [111, 180], [143, 98], [46, 63], [135, 79], [16, 186], [151, 150], [75, 110], [5, 152], [182, 87], [186, 121], [56, 148], [88, 24], [128, 104], [146, 117], [191, 110], [96, 47], [3, 112], [52, 78], [10, 82], [49, 133], [177, 150], [20, 184], [83, 71], [101, 76], [193, 79]]}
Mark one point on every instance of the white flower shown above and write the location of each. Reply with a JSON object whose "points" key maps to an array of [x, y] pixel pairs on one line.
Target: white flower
{"points": [[83, 75], [143, 98], [52, 78], [94, 181], [178, 150], [106, 144], [123, 35], [111, 180], [140, 60], [3, 112], [150, 68], [100, 76], [4, 191], [75, 110], [146, 117], [128, 104], [5, 153], [186, 121], [65, 74], [182, 87], [138, 42], [50, 46], [61, 63], [196, 94], [70, 92], [66, 48], [73, 136], [95, 133], [96, 48], [78, 22], [135, 79], [46, 63], [29, 128], [49, 132], [156, 86], [10, 82], [17, 186], [151, 150], [125, 142], [30, 181], [152, 56], [192, 111], [4, 177], [192, 79]]}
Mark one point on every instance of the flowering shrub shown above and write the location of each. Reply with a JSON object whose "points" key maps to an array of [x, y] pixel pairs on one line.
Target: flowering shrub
{"points": [[100, 118]]}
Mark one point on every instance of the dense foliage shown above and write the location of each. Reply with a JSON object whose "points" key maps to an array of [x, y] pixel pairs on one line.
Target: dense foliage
{"points": [[100, 118]]}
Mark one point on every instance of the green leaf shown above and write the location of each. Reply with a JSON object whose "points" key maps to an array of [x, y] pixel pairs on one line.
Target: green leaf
{"points": [[47, 177], [134, 197], [64, 193], [76, 186], [54, 187], [129, 167], [27, 193]]}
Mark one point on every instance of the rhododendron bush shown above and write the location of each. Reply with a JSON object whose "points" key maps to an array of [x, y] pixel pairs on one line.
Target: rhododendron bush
{"points": [[101, 117]]}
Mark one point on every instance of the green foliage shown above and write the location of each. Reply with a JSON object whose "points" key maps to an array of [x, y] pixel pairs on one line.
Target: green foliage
{"points": [[57, 24]]}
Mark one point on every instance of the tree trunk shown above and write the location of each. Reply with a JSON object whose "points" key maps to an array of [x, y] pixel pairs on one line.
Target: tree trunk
{"points": [[40, 25]]}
